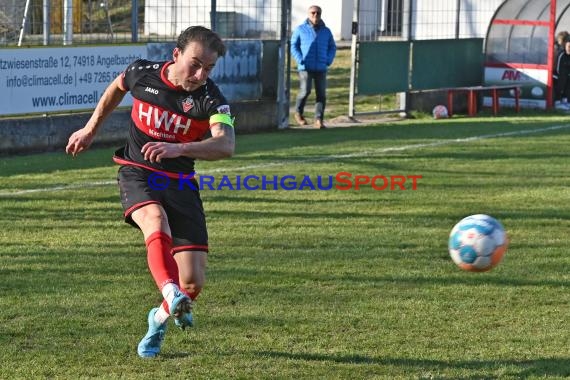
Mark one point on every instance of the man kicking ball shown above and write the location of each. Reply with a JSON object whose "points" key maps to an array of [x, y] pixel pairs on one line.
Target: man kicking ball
{"points": [[175, 104]]}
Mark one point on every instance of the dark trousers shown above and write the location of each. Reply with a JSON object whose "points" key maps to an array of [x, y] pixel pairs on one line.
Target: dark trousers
{"points": [[306, 79], [562, 85]]}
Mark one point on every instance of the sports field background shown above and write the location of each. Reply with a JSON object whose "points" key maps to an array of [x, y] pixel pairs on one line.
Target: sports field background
{"points": [[303, 284]]}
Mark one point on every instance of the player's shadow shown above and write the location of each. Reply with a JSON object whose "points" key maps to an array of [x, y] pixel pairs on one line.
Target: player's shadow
{"points": [[521, 369]]}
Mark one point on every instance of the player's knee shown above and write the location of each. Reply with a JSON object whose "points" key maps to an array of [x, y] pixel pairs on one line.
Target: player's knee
{"points": [[153, 213], [150, 216]]}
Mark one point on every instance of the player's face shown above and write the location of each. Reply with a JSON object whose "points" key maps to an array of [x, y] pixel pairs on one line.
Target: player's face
{"points": [[192, 66], [567, 47]]}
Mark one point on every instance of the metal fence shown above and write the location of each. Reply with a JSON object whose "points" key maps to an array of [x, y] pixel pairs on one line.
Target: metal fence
{"points": [[66, 22], [424, 19], [85, 22], [390, 28]]}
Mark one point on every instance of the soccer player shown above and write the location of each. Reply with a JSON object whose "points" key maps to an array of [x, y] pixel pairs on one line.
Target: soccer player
{"points": [[175, 104]]}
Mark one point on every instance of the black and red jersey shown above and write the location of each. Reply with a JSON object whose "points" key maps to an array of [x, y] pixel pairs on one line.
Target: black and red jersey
{"points": [[164, 112]]}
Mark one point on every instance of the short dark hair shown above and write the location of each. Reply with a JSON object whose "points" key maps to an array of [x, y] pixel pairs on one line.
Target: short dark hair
{"points": [[204, 35]]}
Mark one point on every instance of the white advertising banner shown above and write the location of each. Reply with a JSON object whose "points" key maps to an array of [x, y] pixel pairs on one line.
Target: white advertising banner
{"points": [[60, 79], [532, 86]]}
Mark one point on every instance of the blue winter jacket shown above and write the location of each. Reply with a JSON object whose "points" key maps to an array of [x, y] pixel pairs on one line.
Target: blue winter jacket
{"points": [[313, 48]]}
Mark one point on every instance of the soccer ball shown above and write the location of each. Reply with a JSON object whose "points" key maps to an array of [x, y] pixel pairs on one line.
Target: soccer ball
{"points": [[440, 112], [477, 243]]}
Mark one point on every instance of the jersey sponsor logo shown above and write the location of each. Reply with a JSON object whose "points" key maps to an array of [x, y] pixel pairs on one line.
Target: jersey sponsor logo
{"points": [[160, 123], [151, 90], [187, 104], [224, 109]]}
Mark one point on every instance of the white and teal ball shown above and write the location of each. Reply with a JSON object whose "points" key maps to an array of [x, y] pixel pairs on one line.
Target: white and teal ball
{"points": [[478, 243]]}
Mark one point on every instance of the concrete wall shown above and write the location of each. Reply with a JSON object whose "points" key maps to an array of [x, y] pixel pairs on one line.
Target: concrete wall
{"points": [[51, 132], [424, 101]]}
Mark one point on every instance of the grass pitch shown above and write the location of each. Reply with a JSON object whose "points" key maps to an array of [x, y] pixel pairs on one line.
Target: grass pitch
{"points": [[303, 284]]}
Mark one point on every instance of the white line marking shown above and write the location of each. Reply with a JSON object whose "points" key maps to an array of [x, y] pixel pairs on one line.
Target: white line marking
{"points": [[324, 158], [57, 188]]}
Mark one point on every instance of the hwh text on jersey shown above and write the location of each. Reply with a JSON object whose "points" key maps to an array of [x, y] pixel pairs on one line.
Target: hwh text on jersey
{"points": [[162, 120]]}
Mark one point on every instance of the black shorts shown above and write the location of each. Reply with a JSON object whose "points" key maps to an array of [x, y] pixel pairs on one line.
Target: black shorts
{"points": [[180, 200]]}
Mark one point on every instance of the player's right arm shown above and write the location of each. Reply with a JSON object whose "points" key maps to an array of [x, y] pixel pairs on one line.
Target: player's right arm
{"points": [[81, 139]]}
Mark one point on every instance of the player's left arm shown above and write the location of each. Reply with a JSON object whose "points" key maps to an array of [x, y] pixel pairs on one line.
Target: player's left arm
{"points": [[220, 145]]}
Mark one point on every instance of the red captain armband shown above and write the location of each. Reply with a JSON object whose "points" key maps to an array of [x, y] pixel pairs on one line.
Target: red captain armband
{"points": [[222, 118]]}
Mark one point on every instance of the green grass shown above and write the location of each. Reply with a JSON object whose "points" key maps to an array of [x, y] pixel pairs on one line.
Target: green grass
{"points": [[303, 284]]}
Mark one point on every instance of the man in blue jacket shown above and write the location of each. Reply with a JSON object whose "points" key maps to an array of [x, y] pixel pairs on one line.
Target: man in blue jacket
{"points": [[314, 49]]}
